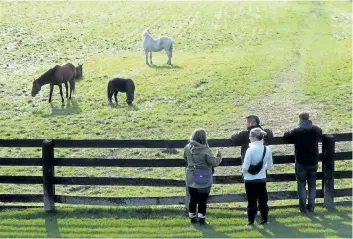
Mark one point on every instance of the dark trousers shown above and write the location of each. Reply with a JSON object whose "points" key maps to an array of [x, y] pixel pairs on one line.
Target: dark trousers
{"points": [[306, 174], [198, 197], [256, 192]]}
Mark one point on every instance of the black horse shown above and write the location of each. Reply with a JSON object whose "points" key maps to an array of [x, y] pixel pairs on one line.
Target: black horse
{"points": [[123, 85]]}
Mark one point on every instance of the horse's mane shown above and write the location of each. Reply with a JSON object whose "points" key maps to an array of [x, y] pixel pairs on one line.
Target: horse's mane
{"points": [[147, 33], [48, 74]]}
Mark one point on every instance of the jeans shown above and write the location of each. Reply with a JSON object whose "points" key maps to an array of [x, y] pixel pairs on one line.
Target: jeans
{"points": [[198, 197], [306, 174]]}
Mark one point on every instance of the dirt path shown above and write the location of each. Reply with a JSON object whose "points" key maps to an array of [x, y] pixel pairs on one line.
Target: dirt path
{"points": [[284, 103]]}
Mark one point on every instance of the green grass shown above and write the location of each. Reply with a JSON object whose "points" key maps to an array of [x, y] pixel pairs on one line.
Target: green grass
{"points": [[171, 222], [231, 59]]}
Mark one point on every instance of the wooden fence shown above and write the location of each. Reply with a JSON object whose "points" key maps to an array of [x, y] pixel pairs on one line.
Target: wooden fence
{"points": [[49, 180]]}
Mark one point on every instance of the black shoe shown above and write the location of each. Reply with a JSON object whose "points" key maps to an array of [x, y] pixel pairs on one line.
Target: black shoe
{"points": [[303, 211], [250, 223], [251, 215], [193, 220], [264, 214], [310, 208], [263, 222], [203, 221]]}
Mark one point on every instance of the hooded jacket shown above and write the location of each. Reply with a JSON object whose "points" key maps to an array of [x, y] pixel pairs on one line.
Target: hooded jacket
{"points": [[305, 139], [200, 156]]}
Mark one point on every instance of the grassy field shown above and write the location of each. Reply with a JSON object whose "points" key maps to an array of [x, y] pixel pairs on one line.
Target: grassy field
{"points": [[231, 59], [171, 222]]}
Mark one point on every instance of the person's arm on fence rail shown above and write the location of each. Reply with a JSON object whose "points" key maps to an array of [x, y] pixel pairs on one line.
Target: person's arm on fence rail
{"points": [[289, 136], [238, 138], [269, 136]]}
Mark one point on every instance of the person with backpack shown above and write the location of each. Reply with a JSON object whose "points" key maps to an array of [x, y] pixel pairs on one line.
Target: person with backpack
{"points": [[258, 159], [200, 161]]}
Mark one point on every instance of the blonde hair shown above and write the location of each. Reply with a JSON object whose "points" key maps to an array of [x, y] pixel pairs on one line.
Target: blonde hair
{"points": [[257, 133], [200, 136]]}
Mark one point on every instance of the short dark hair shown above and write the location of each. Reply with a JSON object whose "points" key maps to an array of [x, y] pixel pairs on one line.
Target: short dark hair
{"points": [[304, 116], [253, 118]]}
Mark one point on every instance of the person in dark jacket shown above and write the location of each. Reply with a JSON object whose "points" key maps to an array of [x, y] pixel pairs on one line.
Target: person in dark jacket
{"points": [[305, 139], [242, 138], [198, 155]]}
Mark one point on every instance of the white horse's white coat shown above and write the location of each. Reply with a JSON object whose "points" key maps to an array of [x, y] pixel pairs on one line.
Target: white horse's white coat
{"points": [[154, 45]]}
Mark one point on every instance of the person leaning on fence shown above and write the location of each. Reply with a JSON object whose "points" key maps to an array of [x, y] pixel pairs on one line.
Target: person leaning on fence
{"points": [[305, 139], [258, 158], [242, 137], [200, 161]]}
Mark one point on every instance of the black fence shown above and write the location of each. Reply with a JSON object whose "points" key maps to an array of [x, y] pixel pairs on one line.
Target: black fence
{"points": [[49, 180]]}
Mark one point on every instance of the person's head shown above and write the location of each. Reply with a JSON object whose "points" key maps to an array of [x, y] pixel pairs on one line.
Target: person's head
{"points": [[256, 134], [252, 120], [303, 116], [200, 136]]}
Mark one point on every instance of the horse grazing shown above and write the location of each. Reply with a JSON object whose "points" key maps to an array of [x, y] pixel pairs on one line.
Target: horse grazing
{"points": [[154, 45], [56, 76], [123, 85], [79, 72]]}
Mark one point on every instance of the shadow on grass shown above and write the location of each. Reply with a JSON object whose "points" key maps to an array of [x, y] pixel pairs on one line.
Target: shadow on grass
{"points": [[152, 222], [132, 107], [208, 231], [165, 66], [70, 108], [51, 225]]}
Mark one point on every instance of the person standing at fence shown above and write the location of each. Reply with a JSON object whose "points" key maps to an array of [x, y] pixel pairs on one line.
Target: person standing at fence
{"points": [[200, 161], [305, 139], [258, 158], [242, 137]]}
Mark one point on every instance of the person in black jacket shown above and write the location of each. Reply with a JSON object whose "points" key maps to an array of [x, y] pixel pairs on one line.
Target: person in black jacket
{"points": [[242, 137], [305, 139]]}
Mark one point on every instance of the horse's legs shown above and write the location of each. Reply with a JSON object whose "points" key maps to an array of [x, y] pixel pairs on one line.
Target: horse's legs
{"points": [[61, 93], [116, 99], [151, 57], [169, 62], [67, 91], [146, 52], [51, 92], [72, 86]]}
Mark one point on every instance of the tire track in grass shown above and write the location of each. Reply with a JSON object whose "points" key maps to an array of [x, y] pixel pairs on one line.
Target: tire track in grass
{"points": [[284, 102], [164, 26], [218, 18], [190, 21]]}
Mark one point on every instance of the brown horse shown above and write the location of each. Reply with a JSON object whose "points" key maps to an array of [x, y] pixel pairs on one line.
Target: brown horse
{"points": [[56, 76]]}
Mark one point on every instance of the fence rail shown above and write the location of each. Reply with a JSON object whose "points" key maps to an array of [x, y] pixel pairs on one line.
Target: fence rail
{"points": [[48, 179], [109, 143]]}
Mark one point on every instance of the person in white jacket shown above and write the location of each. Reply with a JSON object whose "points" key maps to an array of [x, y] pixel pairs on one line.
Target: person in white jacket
{"points": [[255, 183]]}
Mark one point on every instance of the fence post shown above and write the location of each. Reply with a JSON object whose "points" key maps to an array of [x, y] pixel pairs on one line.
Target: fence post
{"points": [[328, 168], [48, 175]]}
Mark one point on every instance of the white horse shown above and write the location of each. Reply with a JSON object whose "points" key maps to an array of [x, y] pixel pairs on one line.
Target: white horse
{"points": [[154, 45]]}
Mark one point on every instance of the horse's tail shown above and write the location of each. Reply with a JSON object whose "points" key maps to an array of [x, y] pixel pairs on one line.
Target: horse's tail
{"points": [[73, 83], [108, 92]]}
